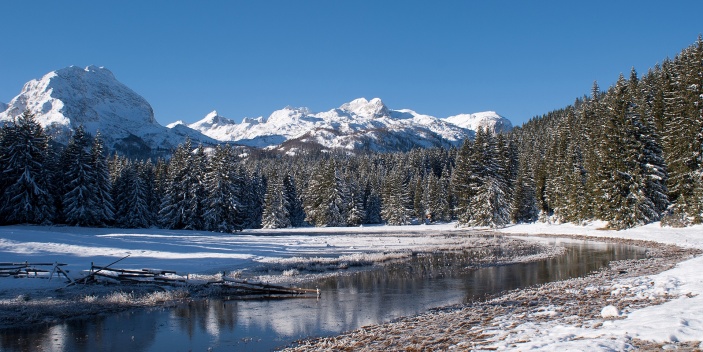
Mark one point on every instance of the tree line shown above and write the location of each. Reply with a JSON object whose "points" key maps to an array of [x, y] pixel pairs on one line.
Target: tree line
{"points": [[629, 155]]}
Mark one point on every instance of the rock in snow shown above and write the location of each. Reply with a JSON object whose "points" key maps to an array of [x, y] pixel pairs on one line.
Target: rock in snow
{"points": [[609, 312], [92, 96]]}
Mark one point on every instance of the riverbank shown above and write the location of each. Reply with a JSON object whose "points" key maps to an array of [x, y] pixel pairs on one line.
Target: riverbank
{"points": [[282, 257], [649, 304]]}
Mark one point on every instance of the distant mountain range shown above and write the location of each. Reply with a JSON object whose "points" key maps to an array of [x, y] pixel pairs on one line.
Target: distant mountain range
{"points": [[92, 97]]}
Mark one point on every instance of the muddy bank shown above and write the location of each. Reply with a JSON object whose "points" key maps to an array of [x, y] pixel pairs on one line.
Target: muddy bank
{"points": [[498, 322]]}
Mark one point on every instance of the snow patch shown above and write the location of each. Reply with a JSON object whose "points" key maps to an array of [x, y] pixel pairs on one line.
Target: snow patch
{"points": [[609, 312]]}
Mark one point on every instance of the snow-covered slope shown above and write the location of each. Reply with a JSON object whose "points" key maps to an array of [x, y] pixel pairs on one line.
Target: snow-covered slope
{"points": [[94, 98], [3, 106], [487, 120], [359, 124]]}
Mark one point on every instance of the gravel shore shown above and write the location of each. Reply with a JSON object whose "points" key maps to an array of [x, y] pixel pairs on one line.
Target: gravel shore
{"points": [[501, 322]]}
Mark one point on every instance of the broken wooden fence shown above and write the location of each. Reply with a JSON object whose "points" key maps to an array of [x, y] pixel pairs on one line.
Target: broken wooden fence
{"points": [[33, 270]]}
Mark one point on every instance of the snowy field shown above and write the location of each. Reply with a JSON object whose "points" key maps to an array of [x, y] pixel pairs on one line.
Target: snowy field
{"points": [[679, 319]]}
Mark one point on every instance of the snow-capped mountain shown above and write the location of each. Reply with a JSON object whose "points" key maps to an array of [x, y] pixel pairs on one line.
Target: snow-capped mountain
{"points": [[488, 120], [92, 96], [359, 124]]}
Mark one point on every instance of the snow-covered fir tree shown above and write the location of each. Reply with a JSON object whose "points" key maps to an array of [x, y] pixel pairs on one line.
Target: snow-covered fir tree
{"points": [[131, 200], [224, 212], [23, 177], [295, 204], [276, 208], [103, 185], [175, 204], [396, 204], [490, 204], [80, 198], [324, 200]]}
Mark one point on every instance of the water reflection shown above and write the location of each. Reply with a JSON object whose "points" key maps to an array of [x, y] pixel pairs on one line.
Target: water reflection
{"points": [[347, 303]]}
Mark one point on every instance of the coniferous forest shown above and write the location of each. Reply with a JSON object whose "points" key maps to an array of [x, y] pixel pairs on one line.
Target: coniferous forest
{"points": [[629, 155]]}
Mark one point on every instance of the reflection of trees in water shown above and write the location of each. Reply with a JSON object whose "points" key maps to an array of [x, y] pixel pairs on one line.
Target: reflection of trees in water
{"points": [[438, 273], [120, 332], [99, 333], [208, 316]]}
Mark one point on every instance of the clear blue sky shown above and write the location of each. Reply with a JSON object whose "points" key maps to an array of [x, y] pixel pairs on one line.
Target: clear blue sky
{"points": [[441, 58]]}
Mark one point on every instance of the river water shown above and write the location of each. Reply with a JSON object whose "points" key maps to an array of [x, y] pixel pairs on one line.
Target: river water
{"points": [[347, 302]]}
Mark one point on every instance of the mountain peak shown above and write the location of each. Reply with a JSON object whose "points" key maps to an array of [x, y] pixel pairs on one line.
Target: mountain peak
{"points": [[211, 120], [365, 108], [92, 97], [484, 119], [212, 115]]}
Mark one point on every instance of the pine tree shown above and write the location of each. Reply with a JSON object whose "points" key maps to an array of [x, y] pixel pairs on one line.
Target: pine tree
{"points": [[524, 204], [176, 203], [464, 181], [80, 200], [295, 205], [132, 210], [103, 185], [325, 203], [197, 193], [355, 212], [253, 199], [276, 208], [25, 193], [225, 211], [490, 206], [396, 204], [372, 204], [418, 204]]}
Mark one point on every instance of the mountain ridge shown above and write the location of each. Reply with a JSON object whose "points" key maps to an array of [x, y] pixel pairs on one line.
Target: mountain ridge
{"points": [[92, 97], [356, 124]]}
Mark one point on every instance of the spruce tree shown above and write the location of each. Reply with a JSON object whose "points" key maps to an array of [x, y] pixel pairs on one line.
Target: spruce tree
{"points": [[295, 205], [175, 203], [464, 181], [276, 208], [224, 211], [80, 200], [103, 185], [132, 210], [524, 204], [490, 205], [324, 202], [396, 204], [25, 193]]}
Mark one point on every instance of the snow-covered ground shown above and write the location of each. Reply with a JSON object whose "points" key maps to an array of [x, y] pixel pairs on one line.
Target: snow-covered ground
{"points": [[678, 320]]}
